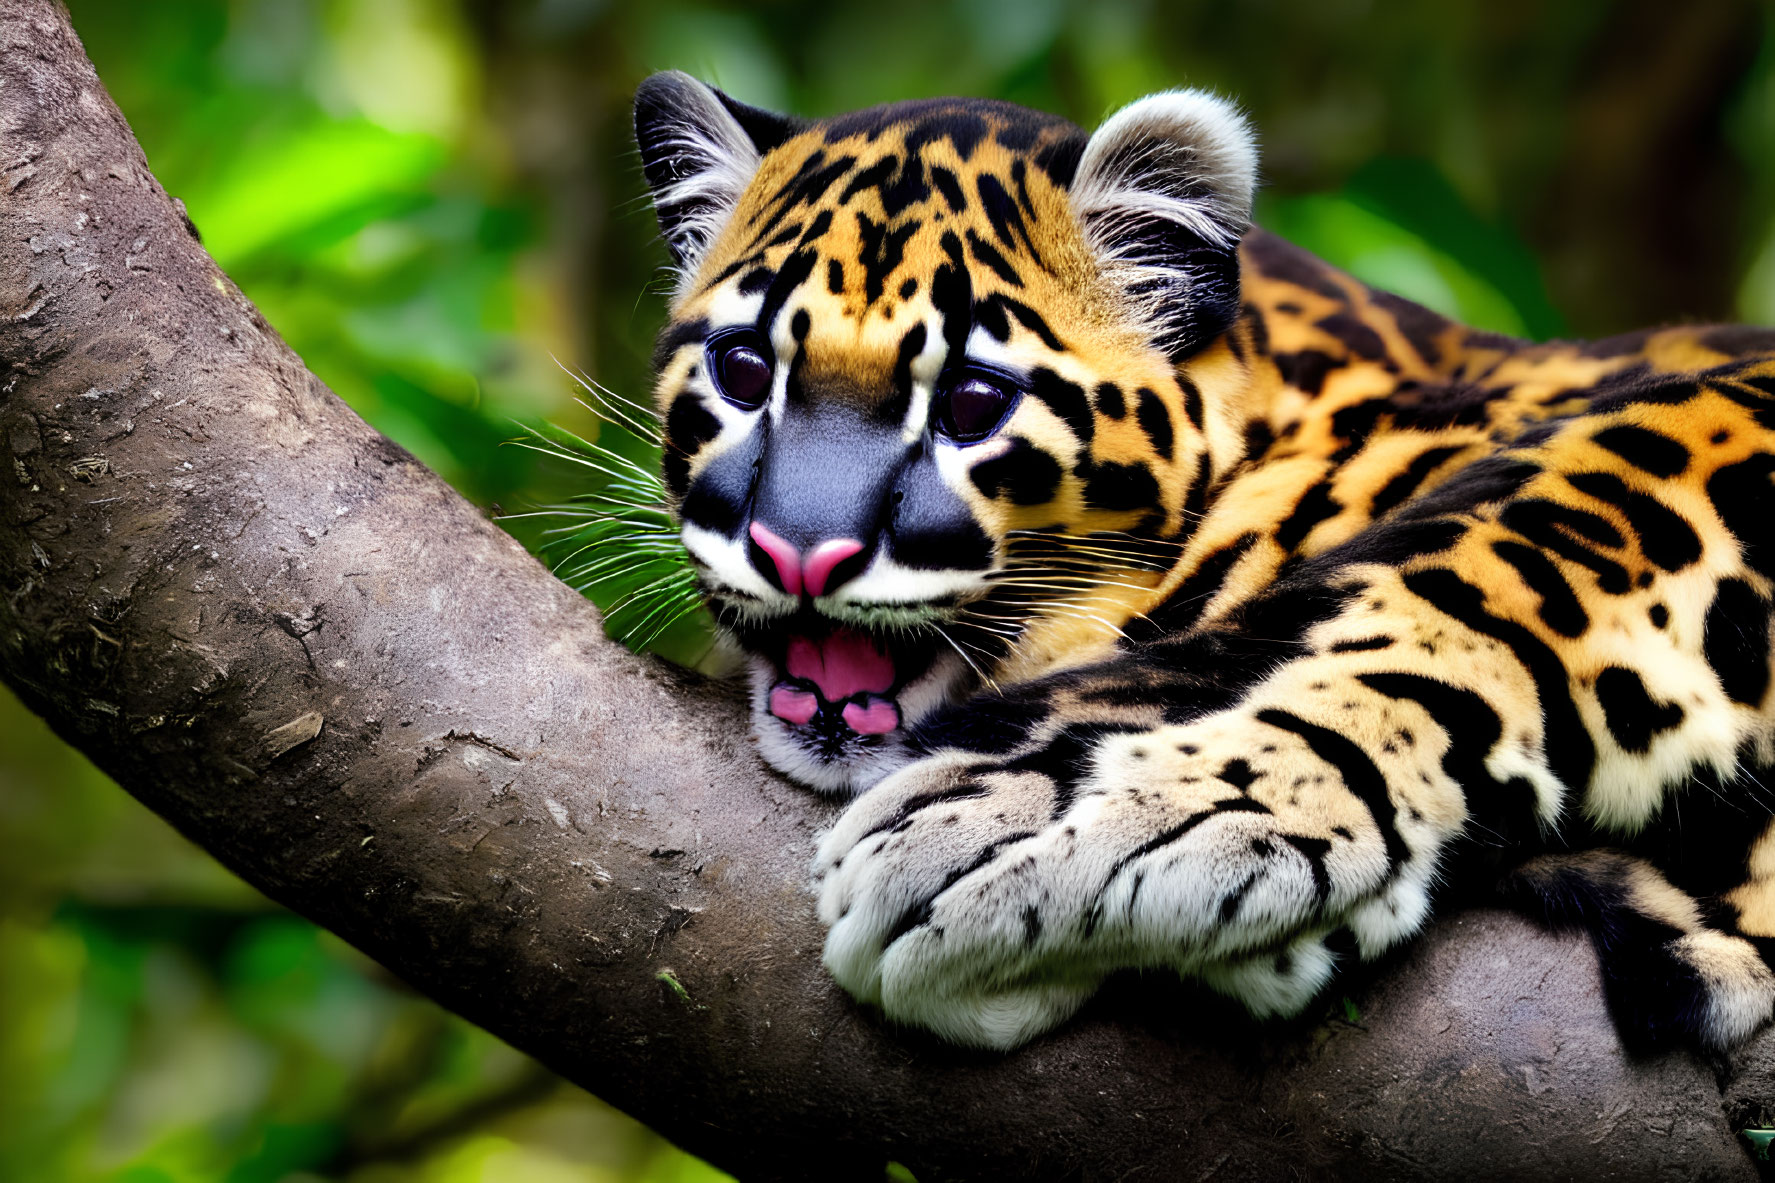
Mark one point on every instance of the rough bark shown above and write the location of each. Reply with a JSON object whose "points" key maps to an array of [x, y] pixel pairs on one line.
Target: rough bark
{"points": [[283, 634]]}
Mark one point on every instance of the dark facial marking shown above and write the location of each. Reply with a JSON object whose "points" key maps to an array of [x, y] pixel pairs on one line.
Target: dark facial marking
{"points": [[990, 257], [1155, 420], [1120, 486], [795, 270], [1001, 210], [1027, 473], [689, 425], [1067, 400], [1192, 402], [952, 292], [1109, 400], [883, 250], [1030, 319]]}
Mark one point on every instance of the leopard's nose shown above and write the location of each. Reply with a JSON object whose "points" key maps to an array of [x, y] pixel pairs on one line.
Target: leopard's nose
{"points": [[778, 560]]}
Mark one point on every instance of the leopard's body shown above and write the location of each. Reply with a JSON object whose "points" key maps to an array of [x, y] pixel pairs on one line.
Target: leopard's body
{"points": [[1270, 609]]}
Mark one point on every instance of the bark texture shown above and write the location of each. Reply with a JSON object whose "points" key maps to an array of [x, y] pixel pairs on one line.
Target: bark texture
{"points": [[286, 636]]}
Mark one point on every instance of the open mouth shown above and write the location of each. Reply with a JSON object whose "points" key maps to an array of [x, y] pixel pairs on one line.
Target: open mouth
{"points": [[837, 682]]}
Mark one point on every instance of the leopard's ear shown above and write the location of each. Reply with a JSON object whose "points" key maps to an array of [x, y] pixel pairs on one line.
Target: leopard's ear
{"points": [[699, 151], [1163, 193]]}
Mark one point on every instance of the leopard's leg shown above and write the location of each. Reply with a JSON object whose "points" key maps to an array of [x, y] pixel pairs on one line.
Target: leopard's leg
{"points": [[1676, 969], [985, 897], [1560, 638]]}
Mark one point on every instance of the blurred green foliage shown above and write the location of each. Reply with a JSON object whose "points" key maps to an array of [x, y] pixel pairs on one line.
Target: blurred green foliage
{"points": [[434, 200]]}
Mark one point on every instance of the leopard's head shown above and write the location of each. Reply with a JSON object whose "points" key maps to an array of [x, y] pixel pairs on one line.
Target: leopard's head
{"points": [[940, 389]]}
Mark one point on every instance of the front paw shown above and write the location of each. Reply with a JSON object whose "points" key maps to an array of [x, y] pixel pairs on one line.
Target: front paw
{"points": [[968, 965], [986, 901]]}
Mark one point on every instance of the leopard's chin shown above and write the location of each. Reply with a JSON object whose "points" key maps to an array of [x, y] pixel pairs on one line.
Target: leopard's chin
{"points": [[833, 705]]}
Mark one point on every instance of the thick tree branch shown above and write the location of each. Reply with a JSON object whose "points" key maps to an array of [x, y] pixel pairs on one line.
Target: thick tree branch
{"points": [[278, 630]]}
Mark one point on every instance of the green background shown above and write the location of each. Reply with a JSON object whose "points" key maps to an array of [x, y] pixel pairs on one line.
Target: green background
{"points": [[434, 200]]}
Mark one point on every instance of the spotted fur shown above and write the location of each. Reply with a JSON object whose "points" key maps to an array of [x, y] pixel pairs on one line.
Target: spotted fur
{"points": [[1275, 610]]}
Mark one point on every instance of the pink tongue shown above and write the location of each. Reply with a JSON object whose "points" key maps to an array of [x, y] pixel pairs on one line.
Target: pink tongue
{"points": [[843, 664]]}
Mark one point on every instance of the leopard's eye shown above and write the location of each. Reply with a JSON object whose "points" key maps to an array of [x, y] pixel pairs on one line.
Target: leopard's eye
{"points": [[741, 371], [972, 407]]}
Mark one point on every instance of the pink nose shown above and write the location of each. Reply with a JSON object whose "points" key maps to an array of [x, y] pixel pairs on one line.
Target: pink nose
{"points": [[794, 571]]}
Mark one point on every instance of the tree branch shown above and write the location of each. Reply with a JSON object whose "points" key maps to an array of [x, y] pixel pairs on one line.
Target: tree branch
{"points": [[287, 637]]}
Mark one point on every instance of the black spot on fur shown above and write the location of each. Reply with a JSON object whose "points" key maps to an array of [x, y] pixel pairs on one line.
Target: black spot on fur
{"points": [[1405, 482], [952, 292], [990, 315], [1237, 773], [950, 188], [1417, 324], [1192, 402], [1552, 526], [1067, 400], [1315, 506], [1744, 497], [1025, 472], [1361, 340], [1499, 812], [1314, 850], [1664, 536], [1362, 645], [1634, 718], [1193, 595], [1360, 776], [1306, 370], [1570, 752], [835, 277], [1120, 486], [1560, 609], [1001, 210], [1650, 451], [793, 273], [689, 425], [1109, 400], [1737, 641], [1739, 340], [883, 250], [990, 257], [1155, 420], [1282, 260], [1030, 319]]}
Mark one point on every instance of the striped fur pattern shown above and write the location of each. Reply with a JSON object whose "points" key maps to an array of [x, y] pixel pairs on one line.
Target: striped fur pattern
{"points": [[1271, 611]]}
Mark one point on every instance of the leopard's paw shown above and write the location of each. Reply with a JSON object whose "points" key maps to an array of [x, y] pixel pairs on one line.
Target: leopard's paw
{"points": [[901, 938], [987, 902]]}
